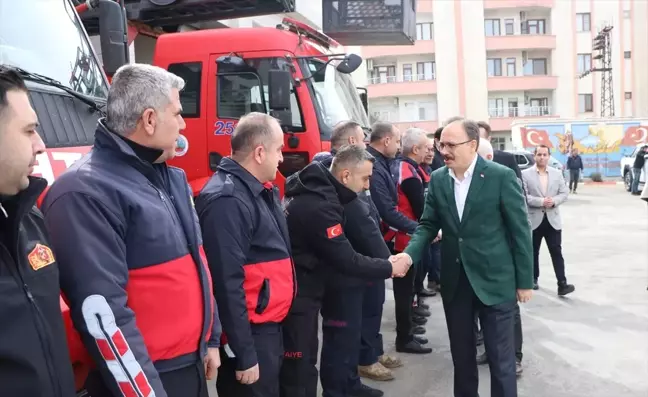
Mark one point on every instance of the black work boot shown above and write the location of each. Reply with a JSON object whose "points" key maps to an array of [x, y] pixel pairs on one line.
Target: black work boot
{"points": [[419, 311], [365, 391], [564, 288], [418, 330], [418, 320]]}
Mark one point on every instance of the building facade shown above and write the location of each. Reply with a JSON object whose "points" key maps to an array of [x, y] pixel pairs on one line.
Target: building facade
{"points": [[502, 60]]}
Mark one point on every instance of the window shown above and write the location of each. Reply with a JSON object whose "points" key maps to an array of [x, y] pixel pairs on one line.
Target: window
{"points": [[628, 95], [492, 27], [584, 62], [407, 72], [425, 70], [424, 31], [190, 95], [627, 54], [422, 115], [510, 67], [494, 66], [583, 22], [498, 142], [521, 159], [533, 26], [585, 103], [536, 67], [513, 107], [496, 107], [383, 74], [508, 26], [538, 107], [240, 93]]}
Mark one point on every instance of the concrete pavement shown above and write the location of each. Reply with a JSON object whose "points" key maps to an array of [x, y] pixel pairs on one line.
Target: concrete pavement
{"points": [[593, 343]]}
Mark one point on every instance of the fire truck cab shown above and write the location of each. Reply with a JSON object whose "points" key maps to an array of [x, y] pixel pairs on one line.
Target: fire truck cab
{"points": [[292, 72]]}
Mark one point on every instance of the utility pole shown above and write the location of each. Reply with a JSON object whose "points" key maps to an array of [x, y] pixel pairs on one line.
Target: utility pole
{"points": [[602, 62]]}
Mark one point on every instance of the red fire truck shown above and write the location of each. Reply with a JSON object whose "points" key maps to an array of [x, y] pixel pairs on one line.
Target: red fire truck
{"points": [[292, 72]]}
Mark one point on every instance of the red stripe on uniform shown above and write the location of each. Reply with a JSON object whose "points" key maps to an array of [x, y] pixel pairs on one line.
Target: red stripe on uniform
{"points": [[127, 389], [105, 350], [142, 384], [120, 342]]}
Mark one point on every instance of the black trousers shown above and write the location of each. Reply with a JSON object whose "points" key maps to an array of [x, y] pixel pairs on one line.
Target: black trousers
{"points": [[497, 324], [371, 343], [574, 176], [184, 382], [268, 343], [298, 376], [341, 333], [403, 297], [553, 238], [519, 338]]}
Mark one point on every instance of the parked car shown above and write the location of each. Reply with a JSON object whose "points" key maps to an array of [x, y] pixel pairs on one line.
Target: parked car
{"points": [[524, 158], [627, 162]]}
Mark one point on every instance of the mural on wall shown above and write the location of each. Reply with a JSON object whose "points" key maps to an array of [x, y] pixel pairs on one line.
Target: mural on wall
{"points": [[601, 145]]}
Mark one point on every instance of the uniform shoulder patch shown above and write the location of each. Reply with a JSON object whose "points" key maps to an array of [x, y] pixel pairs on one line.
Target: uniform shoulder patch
{"points": [[40, 257], [334, 231]]}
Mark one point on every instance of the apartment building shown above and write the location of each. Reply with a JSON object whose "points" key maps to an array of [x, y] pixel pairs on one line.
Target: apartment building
{"points": [[502, 60]]}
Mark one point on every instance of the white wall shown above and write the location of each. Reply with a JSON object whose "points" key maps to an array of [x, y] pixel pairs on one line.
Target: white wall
{"points": [[446, 49], [474, 63], [405, 108]]}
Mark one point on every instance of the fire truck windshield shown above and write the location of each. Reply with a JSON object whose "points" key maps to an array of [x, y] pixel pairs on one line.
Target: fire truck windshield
{"points": [[336, 96], [47, 38]]}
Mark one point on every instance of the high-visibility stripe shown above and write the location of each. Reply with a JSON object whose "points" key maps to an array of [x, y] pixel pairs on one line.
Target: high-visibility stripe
{"points": [[114, 348]]}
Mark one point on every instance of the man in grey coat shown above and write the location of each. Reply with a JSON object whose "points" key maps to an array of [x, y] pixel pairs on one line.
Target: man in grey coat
{"points": [[545, 192]]}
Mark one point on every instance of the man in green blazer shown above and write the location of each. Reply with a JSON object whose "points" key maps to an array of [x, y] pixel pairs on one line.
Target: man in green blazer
{"points": [[486, 255]]}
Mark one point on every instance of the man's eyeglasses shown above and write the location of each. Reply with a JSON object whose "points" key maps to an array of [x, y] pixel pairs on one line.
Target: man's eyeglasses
{"points": [[451, 146]]}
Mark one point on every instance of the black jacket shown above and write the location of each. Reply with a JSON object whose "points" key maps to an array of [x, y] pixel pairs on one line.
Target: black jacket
{"points": [[34, 358], [361, 226], [575, 163], [640, 160], [508, 160], [314, 205], [385, 195], [437, 161]]}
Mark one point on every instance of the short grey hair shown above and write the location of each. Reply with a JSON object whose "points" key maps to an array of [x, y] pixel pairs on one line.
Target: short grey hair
{"points": [[381, 130], [350, 156], [471, 127], [134, 88], [413, 136], [253, 129]]}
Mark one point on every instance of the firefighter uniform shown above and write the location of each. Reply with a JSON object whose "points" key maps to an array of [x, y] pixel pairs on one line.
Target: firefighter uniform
{"points": [[315, 206], [248, 251]]}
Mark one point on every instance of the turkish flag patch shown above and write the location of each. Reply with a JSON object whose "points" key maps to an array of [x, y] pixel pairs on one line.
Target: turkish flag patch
{"points": [[334, 231]]}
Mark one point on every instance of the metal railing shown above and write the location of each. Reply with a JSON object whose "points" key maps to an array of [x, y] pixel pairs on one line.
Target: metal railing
{"points": [[524, 111], [401, 79]]}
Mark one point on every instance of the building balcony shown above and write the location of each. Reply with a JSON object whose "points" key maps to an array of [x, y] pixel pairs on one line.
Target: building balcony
{"points": [[522, 83], [521, 42], [503, 4], [393, 86], [501, 119], [429, 125], [419, 47]]}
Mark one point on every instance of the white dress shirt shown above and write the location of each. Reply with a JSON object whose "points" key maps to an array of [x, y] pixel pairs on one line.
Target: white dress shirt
{"points": [[461, 188]]}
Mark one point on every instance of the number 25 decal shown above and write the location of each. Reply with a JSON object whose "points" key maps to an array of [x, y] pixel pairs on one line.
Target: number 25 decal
{"points": [[223, 127]]}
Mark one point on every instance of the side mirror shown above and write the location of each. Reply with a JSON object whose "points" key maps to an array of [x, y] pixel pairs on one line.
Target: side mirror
{"points": [[350, 63], [362, 92], [279, 82], [113, 36]]}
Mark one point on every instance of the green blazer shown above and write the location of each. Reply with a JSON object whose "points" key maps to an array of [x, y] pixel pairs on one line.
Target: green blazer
{"points": [[493, 239]]}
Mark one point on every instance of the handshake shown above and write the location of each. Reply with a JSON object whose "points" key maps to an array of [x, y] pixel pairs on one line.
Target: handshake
{"points": [[400, 264]]}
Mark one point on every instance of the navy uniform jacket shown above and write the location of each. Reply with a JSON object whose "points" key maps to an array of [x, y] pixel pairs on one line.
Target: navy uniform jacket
{"points": [[248, 250], [129, 248]]}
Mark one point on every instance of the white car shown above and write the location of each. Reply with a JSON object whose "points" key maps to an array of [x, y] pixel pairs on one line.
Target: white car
{"points": [[627, 162]]}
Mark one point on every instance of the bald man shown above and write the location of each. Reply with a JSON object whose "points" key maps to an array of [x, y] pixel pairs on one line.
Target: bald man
{"points": [[485, 149]]}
